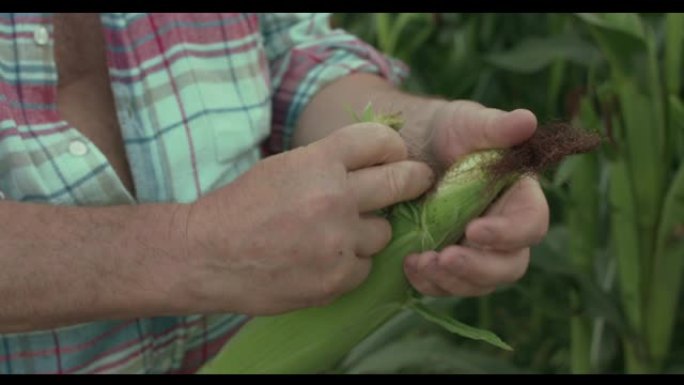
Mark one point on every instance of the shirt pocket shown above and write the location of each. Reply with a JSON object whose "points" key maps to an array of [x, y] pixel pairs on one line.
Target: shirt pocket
{"points": [[27, 172]]}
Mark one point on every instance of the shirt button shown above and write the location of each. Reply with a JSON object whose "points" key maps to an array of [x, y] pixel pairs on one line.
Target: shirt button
{"points": [[41, 36], [78, 148]]}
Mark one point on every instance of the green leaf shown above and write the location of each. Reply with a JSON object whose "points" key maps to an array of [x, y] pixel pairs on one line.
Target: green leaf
{"points": [[668, 267], [674, 37], [535, 54], [620, 37], [597, 303], [550, 256], [676, 126], [404, 323], [430, 354], [399, 325], [625, 237], [457, 327], [628, 24]]}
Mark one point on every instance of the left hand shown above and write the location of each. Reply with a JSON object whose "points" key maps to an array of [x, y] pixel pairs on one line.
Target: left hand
{"points": [[496, 246]]}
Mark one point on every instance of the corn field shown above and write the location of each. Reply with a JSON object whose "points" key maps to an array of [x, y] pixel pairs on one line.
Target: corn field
{"points": [[603, 291]]}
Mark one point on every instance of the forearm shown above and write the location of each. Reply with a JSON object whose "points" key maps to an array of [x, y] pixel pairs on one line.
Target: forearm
{"points": [[62, 265], [330, 108]]}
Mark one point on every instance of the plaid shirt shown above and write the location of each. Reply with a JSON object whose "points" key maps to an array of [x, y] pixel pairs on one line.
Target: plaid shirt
{"points": [[199, 97]]}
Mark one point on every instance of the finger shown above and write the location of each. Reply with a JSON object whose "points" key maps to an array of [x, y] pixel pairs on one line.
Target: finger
{"points": [[519, 219], [469, 126], [366, 144], [374, 234], [416, 274], [427, 277], [381, 186], [354, 274], [484, 269]]}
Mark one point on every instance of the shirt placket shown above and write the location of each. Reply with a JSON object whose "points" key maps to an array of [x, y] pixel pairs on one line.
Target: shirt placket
{"points": [[82, 152]]}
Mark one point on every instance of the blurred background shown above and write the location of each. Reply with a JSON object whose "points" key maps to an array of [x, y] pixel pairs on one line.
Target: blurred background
{"points": [[603, 291]]}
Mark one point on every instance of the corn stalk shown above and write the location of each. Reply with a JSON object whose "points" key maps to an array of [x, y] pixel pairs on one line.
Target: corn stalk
{"points": [[645, 193], [582, 213]]}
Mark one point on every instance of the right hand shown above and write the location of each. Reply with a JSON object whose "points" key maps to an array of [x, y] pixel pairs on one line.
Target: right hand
{"points": [[297, 230]]}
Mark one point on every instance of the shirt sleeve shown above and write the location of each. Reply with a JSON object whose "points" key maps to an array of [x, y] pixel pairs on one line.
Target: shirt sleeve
{"points": [[305, 53]]}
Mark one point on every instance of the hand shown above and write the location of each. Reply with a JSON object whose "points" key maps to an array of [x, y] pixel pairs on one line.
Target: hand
{"points": [[496, 247], [296, 230]]}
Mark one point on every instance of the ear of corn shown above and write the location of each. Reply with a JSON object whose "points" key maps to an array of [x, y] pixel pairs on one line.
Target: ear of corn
{"points": [[313, 340]]}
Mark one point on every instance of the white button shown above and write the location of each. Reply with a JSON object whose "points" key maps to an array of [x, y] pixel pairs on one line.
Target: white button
{"points": [[78, 148], [41, 36]]}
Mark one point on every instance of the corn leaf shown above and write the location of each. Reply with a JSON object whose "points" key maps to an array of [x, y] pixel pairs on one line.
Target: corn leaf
{"points": [[456, 327], [668, 266], [597, 303], [406, 322], [551, 257], [535, 54], [674, 40], [626, 243], [644, 161], [628, 24], [676, 120], [620, 37], [582, 212], [430, 354], [656, 95]]}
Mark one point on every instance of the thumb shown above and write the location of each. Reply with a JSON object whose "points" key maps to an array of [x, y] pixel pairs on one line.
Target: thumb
{"points": [[468, 126]]}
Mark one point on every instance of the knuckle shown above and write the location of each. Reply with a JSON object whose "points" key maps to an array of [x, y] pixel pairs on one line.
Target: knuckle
{"points": [[380, 131], [361, 272], [334, 285], [388, 137], [349, 277], [335, 243], [423, 175], [322, 203], [395, 181], [327, 290], [463, 267], [344, 132], [371, 130]]}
